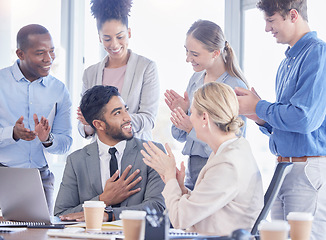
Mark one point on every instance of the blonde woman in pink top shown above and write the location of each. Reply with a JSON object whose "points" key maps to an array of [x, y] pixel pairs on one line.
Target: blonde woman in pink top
{"points": [[135, 76]]}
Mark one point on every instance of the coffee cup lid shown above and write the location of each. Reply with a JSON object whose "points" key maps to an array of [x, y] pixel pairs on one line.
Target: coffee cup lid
{"points": [[300, 216], [94, 204], [276, 225], [132, 214]]}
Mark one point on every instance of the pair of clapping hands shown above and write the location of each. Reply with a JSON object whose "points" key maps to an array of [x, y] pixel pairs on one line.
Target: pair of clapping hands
{"points": [[179, 106], [42, 129]]}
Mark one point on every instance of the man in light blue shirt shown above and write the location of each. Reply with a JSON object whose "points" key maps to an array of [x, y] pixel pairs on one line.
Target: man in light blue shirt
{"points": [[34, 108], [296, 122]]}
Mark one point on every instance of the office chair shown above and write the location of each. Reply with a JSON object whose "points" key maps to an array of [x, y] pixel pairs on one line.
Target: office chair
{"points": [[282, 169]]}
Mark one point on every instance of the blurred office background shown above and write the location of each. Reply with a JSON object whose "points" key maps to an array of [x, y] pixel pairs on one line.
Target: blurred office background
{"points": [[158, 32]]}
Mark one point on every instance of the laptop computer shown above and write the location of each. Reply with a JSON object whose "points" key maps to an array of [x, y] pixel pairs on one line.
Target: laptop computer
{"points": [[22, 196]]}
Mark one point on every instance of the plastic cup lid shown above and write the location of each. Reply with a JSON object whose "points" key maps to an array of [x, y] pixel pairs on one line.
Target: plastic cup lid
{"points": [[276, 225], [94, 204], [132, 214], [300, 216]]}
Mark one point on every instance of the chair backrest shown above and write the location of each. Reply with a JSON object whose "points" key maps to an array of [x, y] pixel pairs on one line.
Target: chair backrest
{"points": [[282, 169]]}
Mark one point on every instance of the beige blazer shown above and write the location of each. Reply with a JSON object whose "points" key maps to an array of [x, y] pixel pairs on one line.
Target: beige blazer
{"points": [[140, 91], [228, 194]]}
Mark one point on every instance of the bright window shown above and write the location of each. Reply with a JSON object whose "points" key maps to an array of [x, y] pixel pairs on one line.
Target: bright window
{"points": [[33, 12]]}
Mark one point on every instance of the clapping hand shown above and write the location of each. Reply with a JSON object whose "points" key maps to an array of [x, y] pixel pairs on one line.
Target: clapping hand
{"points": [[80, 117], [20, 132], [42, 128], [181, 120], [181, 177], [174, 100], [161, 162], [248, 100]]}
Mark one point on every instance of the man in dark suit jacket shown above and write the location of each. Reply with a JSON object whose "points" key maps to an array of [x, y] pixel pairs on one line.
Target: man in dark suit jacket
{"points": [[93, 173]]}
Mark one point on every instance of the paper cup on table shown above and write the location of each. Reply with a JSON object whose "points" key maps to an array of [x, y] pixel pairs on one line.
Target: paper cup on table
{"points": [[300, 223], [94, 213], [275, 230], [133, 224]]}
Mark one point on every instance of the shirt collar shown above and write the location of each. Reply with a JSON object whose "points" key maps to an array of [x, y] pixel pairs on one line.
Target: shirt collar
{"points": [[104, 148], [299, 45], [19, 76]]}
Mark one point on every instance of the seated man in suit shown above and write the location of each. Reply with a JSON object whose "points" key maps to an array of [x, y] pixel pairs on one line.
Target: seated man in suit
{"points": [[93, 172]]}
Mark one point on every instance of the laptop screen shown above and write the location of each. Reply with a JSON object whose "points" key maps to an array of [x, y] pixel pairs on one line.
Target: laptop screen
{"points": [[22, 196]]}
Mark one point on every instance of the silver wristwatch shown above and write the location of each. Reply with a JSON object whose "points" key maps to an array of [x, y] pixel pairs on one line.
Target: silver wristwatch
{"points": [[50, 139]]}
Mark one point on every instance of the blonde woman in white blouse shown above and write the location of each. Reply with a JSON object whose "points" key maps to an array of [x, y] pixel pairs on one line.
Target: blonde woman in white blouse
{"points": [[228, 193]]}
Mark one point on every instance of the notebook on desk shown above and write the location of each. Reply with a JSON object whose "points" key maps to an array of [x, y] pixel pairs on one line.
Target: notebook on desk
{"points": [[22, 197]]}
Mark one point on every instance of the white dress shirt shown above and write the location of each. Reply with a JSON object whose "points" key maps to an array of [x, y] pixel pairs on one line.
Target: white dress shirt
{"points": [[105, 158]]}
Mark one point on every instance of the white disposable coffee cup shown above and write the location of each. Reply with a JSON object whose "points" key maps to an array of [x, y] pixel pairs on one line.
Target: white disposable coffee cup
{"points": [[94, 213], [133, 222], [300, 223], [275, 230]]}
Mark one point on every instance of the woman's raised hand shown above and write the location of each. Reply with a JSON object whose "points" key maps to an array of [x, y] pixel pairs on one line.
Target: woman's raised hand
{"points": [[80, 117], [174, 100], [161, 162], [181, 120]]}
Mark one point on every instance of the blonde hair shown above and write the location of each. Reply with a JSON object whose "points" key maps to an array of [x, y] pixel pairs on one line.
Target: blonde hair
{"points": [[221, 104], [211, 36]]}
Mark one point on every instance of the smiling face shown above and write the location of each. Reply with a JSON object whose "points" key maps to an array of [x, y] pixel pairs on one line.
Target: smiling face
{"points": [[117, 122], [282, 29], [36, 60], [114, 36], [199, 57]]}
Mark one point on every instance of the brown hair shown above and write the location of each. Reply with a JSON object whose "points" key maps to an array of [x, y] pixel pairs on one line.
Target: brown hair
{"points": [[211, 36], [270, 7]]}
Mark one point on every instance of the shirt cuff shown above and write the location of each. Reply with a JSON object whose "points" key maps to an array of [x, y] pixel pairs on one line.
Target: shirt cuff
{"points": [[261, 109], [7, 135], [172, 186]]}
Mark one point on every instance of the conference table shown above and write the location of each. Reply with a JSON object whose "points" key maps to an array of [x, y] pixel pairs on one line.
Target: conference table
{"points": [[35, 234], [29, 234]]}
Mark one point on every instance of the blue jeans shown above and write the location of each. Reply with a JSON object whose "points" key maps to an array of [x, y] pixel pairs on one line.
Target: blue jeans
{"points": [[304, 190]]}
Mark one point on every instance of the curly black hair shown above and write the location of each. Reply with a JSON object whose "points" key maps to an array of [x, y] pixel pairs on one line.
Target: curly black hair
{"points": [[104, 10]]}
